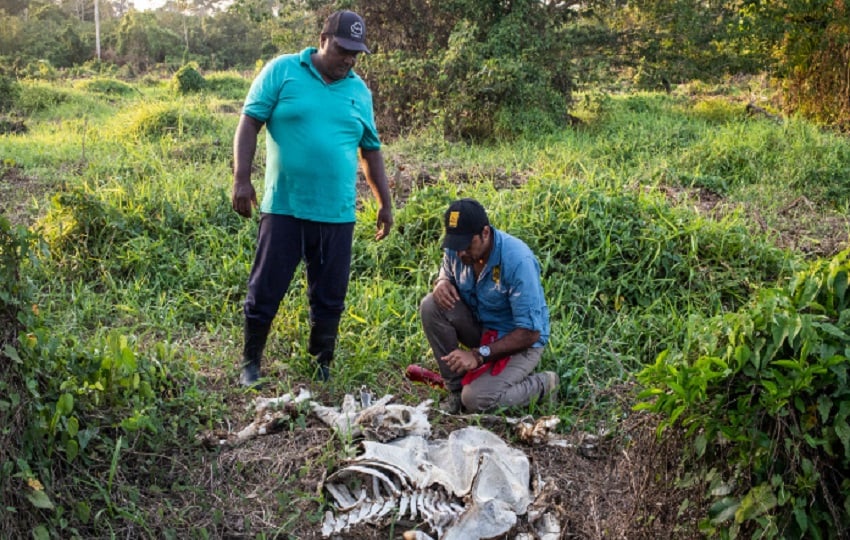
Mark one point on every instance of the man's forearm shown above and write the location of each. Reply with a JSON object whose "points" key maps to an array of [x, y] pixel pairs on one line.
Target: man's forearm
{"points": [[244, 148], [376, 176]]}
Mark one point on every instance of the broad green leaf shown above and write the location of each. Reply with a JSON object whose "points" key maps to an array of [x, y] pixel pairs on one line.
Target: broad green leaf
{"points": [[12, 353], [83, 511], [833, 330], [723, 510], [802, 518], [39, 499], [759, 500], [40, 532], [842, 430], [790, 364], [72, 449], [65, 404], [73, 426], [742, 354], [700, 443], [824, 407]]}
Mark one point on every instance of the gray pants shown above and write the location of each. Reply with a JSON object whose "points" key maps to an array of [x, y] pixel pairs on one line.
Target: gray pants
{"points": [[515, 386]]}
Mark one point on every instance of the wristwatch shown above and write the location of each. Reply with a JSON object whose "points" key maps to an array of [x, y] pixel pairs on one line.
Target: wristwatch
{"points": [[484, 353]]}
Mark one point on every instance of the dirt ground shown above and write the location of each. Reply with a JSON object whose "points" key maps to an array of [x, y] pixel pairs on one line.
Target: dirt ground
{"points": [[616, 485]]}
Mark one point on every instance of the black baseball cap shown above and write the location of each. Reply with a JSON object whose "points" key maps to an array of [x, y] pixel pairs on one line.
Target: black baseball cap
{"points": [[463, 220], [349, 30]]}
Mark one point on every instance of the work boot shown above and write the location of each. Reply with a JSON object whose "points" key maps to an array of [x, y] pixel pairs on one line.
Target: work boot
{"points": [[452, 404], [551, 382], [252, 352], [322, 344]]}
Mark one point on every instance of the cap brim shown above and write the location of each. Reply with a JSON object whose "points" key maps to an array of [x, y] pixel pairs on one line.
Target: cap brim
{"points": [[457, 242], [351, 45]]}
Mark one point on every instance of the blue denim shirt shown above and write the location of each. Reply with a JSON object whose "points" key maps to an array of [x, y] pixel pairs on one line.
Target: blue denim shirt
{"points": [[508, 293]]}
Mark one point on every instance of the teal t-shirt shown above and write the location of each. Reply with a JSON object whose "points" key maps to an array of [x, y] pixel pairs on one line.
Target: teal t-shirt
{"points": [[313, 131]]}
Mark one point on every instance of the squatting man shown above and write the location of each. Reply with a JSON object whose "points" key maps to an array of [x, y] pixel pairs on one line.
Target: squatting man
{"points": [[488, 297]]}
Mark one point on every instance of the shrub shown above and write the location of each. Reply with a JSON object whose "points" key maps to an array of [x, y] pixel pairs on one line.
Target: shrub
{"points": [[35, 97], [107, 86], [160, 119], [188, 80], [228, 86], [765, 391], [9, 92]]}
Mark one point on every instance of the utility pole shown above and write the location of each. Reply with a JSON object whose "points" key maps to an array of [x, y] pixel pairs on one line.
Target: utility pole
{"points": [[97, 28]]}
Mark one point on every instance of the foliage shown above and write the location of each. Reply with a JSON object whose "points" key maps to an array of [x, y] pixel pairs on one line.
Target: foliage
{"points": [[765, 390], [188, 80], [35, 97], [143, 42], [227, 85], [139, 276], [107, 86], [813, 56], [10, 90], [154, 120], [498, 77]]}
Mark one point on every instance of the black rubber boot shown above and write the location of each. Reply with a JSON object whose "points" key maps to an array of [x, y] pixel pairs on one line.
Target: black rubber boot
{"points": [[252, 352], [322, 344]]}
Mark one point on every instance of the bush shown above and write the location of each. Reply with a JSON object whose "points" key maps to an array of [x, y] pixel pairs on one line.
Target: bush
{"points": [[35, 97], [110, 87], [162, 119], [504, 76], [765, 391], [188, 80], [9, 92], [228, 86]]}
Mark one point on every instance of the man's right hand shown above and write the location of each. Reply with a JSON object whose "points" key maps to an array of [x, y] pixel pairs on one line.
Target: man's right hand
{"points": [[445, 294], [244, 198]]}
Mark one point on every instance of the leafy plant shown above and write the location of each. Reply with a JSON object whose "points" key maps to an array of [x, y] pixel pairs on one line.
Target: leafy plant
{"points": [[9, 92], [188, 80], [765, 389], [107, 86]]}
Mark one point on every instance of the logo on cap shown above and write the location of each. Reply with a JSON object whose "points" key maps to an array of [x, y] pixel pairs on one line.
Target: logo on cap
{"points": [[454, 216], [356, 30]]}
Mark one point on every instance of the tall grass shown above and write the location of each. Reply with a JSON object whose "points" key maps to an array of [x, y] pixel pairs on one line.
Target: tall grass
{"points": [[143, 257]]}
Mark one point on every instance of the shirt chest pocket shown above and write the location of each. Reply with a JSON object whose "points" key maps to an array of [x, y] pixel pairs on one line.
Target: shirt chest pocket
{"points": [[493, 295]]}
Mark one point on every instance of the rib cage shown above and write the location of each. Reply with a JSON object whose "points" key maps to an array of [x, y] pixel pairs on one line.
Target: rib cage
{"points": [[470, 483]]}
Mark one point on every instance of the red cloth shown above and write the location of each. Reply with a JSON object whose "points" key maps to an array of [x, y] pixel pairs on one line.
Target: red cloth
{"points": [[488, 337]]}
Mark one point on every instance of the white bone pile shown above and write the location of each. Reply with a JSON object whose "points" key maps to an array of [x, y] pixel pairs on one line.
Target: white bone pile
{"points": [[269, 413], [471, 485], [378, 421]]}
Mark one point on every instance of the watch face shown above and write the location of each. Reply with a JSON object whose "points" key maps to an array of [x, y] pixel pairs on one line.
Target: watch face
{"points": [[484, 351]]}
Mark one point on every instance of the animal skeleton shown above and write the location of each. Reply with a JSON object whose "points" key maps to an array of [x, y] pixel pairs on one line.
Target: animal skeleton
{"points": [[471, 485]]}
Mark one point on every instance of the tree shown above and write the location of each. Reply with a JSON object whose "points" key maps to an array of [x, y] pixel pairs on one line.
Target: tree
{"points": [[141, 41]]}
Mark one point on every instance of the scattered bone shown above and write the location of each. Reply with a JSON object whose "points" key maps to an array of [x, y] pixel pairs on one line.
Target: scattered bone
{"points": [[537, 432], [379, 421], [547, 527], [268, 417], [416, 535]]}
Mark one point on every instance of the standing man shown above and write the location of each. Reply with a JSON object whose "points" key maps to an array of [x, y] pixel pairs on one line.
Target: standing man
{"points": [[320, 124], [489, 298]]}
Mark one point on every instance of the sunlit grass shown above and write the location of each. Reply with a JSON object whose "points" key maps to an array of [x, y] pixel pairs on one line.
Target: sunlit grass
{"points": [[140, 239]]}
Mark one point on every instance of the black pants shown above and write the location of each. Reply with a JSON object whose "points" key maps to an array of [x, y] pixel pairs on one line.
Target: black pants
{"points": [[284, 241]]}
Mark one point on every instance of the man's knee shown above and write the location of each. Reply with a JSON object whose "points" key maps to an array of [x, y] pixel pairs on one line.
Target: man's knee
{"points": [[477, 401], [428, 307]]}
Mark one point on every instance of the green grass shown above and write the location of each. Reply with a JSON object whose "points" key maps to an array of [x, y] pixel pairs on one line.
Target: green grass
{"points": [[139, 241]]}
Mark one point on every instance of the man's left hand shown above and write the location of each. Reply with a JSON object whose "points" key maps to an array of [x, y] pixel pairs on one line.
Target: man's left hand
{"points": [[385, 223], [461, 361]]}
